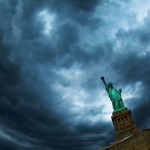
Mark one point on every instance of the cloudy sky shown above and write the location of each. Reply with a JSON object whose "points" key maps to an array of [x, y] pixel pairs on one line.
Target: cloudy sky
{"points": [[52, 54]]}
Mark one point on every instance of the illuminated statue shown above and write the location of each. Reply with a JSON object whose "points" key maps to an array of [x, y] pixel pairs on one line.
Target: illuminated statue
{"points": [[114, 95]]}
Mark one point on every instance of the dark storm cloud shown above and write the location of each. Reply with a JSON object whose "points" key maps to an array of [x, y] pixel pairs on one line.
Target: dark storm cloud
{"points": [[28, 116], [34, 113]]}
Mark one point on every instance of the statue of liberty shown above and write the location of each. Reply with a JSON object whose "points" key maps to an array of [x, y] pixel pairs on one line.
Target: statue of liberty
{"points": [[114, 95]]}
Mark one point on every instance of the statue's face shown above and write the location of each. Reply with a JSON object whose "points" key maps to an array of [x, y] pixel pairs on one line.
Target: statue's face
{"points": [[110, 85]]}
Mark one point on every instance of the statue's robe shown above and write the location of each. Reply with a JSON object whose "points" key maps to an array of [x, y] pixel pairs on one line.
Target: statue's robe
{"points": [[115, 97]]}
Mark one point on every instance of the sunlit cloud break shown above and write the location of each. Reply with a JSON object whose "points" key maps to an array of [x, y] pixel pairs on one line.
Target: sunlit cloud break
{"points": [[47, 19]]}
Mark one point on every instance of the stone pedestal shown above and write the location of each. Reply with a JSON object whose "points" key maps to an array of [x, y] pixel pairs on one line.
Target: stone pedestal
{"points": [[128, 135], [124, 124]]}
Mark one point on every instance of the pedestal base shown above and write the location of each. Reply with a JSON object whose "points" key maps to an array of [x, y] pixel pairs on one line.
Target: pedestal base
{"points": [[124, 124]]}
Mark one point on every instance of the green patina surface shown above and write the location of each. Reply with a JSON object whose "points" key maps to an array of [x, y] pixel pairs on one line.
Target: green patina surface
{"points": [[115, 96]]}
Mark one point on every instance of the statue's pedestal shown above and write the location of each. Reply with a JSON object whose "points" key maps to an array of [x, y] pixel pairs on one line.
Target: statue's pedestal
{"points": [[124, 124], [128, 135]]}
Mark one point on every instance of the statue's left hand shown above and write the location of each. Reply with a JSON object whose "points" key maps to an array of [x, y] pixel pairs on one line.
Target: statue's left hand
{"points": [[120, 90]]}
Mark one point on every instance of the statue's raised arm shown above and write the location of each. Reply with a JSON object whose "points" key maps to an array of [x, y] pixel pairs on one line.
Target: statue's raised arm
{"points": [[114, 95], [103, 79]]}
